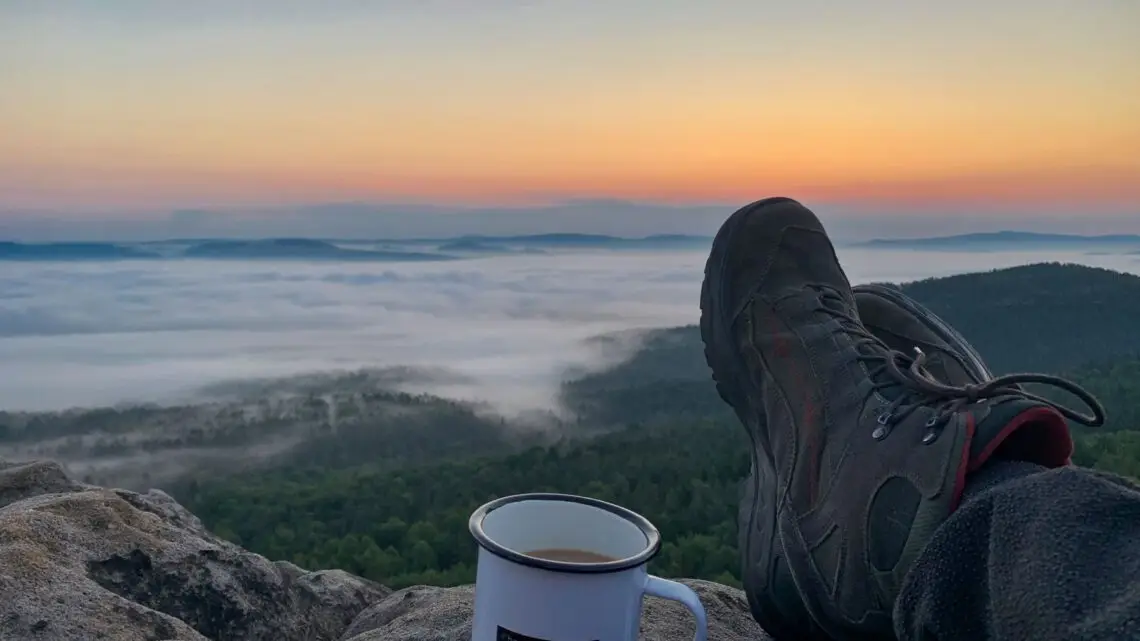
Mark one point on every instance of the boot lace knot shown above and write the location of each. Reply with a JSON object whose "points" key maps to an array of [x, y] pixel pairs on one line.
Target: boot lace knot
{"points": [[905, 380]]}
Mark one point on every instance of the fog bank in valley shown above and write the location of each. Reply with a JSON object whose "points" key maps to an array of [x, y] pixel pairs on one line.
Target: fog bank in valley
{"points": [[502, 329]]}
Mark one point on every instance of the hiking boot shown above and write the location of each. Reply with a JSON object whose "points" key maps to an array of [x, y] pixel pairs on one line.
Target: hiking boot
{"points": [[903, 324], [865, 451]]}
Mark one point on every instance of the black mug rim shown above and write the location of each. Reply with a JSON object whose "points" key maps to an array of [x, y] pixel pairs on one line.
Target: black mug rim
{"points": [[652, 536]]}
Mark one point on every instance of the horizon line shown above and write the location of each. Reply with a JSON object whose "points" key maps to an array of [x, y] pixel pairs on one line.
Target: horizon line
{"points": [[509, 237], [886, 206]]}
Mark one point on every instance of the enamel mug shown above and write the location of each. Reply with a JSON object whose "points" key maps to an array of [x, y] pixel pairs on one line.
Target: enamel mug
{"points": [[559, 567]]}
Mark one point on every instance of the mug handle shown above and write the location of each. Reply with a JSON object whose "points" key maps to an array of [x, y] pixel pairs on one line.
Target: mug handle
{"points": [[674, 591]]}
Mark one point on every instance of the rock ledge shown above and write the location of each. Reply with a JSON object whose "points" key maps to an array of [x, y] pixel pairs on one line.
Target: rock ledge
{"points": [[79, 562]]}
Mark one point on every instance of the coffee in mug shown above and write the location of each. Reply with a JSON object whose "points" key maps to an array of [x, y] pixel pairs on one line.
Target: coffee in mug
{"points": [[572, 556], [559, 567]]}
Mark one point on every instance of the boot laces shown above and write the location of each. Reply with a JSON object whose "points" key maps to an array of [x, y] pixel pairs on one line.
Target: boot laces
{"points": [[912, 386]]}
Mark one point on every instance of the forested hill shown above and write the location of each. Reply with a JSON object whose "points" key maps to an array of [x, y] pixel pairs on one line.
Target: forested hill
{"points": [[1046, 317], [1050, 318], [680, 456]]}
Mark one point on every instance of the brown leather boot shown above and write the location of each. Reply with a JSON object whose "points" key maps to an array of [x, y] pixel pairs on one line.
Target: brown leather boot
{"points": [[865, 448]]}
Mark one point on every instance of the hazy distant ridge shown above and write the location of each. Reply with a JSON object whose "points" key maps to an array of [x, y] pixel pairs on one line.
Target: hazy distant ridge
{"points": [[426, 249], [292, 248], [1005, 240], [589, 239], [72, 251]]}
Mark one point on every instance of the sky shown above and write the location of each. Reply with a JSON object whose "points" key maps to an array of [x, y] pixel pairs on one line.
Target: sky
{"points": [[129, 110]]}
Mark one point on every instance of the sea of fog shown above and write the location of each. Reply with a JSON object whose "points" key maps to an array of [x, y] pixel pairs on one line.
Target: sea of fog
{"points": [[89, 334]]}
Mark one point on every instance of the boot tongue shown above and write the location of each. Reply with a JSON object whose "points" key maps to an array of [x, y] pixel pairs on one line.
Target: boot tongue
{"points": [[1019, 429]]}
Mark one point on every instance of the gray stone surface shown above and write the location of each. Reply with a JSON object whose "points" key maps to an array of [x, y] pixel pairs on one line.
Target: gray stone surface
{"points": [[80, 563], [425, 613]]}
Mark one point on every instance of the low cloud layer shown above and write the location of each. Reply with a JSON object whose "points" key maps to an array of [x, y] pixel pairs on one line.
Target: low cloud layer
{"points": [[508, 327]]}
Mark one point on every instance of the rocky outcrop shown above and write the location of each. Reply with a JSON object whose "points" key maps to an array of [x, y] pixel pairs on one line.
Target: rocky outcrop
{"points": [[80, 562], [83, 562], [427, 613]]}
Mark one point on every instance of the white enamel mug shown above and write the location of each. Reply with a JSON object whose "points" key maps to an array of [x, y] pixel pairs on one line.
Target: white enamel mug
{"points": [[519, 597]]}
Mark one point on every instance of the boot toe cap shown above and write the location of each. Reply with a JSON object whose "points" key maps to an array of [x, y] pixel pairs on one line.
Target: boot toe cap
{"points": [[775, 246]]}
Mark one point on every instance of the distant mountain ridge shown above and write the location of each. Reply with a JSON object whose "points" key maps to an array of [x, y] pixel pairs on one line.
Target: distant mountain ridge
{"points": [[422, 249], [471, 245], [1005, 240], [72, 251], [588, 239], [543, 242], [287, 248]]}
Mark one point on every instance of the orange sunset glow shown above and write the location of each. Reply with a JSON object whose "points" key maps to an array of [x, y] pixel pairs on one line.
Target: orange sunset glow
{"points": [[124, 104]]}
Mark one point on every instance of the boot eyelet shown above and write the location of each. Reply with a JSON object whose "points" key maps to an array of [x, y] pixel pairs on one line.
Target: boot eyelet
{"points": [[932, 421], [883, 428], [930, 437]]}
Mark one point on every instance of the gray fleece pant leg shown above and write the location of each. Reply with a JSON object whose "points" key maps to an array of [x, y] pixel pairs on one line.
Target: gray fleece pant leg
{"points": [[1031, 554]]}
